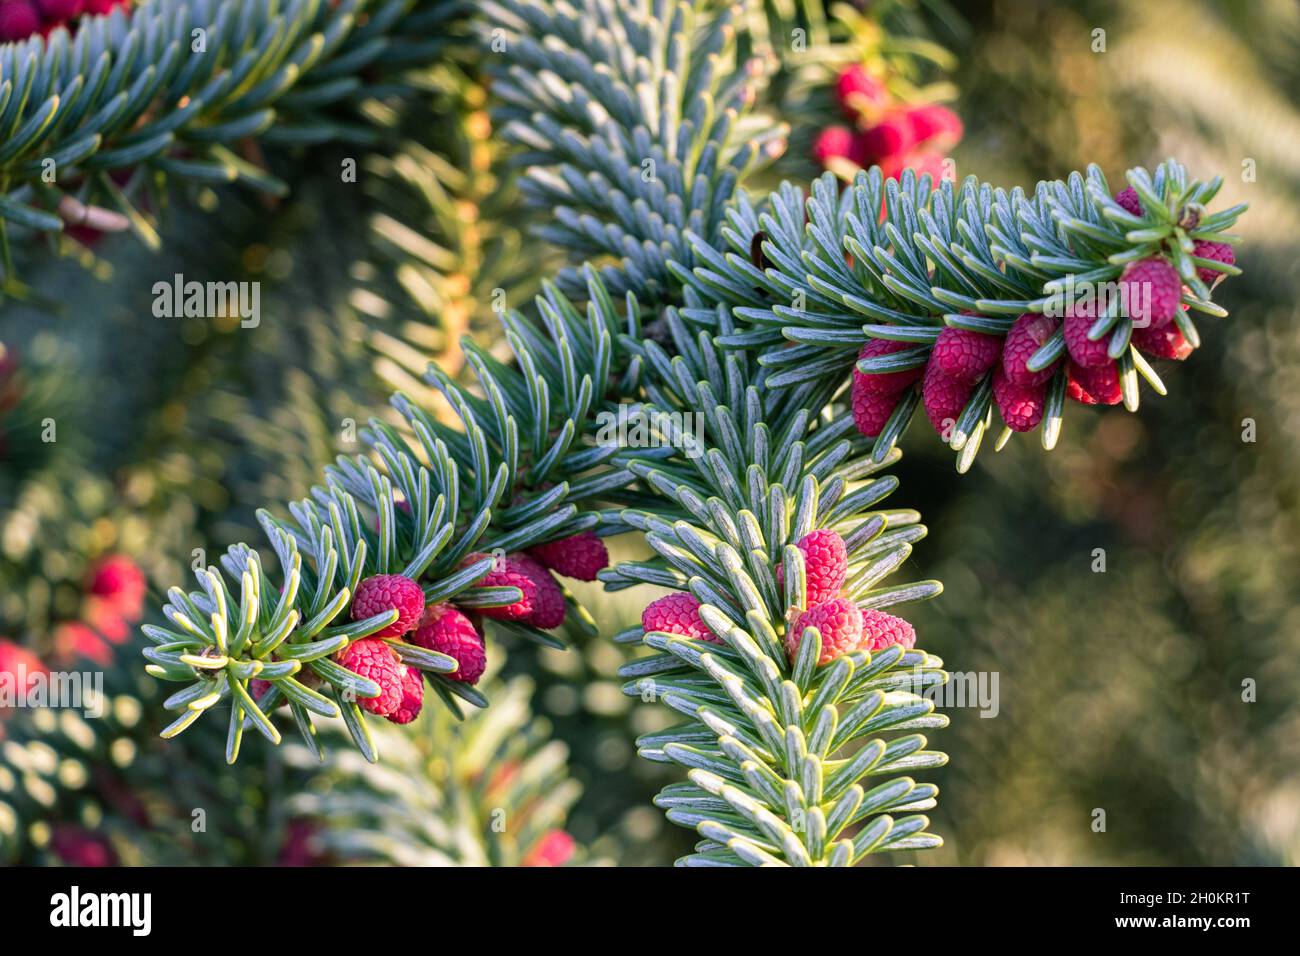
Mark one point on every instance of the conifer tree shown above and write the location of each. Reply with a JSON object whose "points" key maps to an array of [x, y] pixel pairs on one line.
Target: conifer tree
{"points": [[681, 293]]}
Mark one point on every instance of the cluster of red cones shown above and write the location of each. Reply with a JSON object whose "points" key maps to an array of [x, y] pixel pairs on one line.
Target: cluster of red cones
{"points": [[885, 132], [844, 627], [20, 19], [960, 359], [447, 629]]}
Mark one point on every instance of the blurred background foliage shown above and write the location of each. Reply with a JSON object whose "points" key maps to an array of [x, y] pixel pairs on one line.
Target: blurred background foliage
{"points": [[1119, 691]]}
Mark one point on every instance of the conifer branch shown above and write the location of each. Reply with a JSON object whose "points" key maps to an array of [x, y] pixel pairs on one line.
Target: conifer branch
{"points": [[783, 728], [168, 90], [779, 750], [813, 279], [492, 791], [634, 127], [513, 475]]}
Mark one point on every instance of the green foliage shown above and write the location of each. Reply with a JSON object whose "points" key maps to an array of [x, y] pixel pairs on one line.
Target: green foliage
{"points": [[104, 770], [634, 127], [167, 91], [812, 279], [481, 793], [1124, 690], [486, 487], [674, 302], [777, 750]]}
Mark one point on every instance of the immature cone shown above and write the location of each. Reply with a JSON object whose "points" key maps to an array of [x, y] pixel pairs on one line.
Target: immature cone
{"points": [[881, 630], [77, 846], [1152, 290], [870, 412], [74, 640], [884, 383], [1219, 252], [677, 613], [258, 688], [839, 621], [944, 398], [555, 848], [59, 10], [826, 564], [1084, 351], [18, 20], [580, 556], [107, 619], [1027, 335], [1021, 406], [856, 87], [301, 845], [836, 142], [384, 592], [119, 581], [373, 659], [892, 136], [448, 631], [1166, 342], [934, 122], [964, 355], [548, 605], [1128, 198], [412, 697], [1094, 386], [506, 573]]}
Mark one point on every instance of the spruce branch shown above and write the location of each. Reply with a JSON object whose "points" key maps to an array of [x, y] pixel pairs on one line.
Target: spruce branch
{"points": [[751, 313]]}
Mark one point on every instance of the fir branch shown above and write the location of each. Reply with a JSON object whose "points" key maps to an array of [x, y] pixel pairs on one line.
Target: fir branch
{"points": [[779, 751], [491, 791], [634, 127], [167, 90], [513, 474], [813, 279]]}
